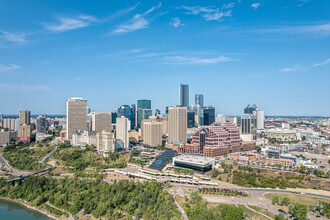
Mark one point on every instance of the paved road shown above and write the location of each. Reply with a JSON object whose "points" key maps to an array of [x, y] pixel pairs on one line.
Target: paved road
{"points": [[4, 164]]}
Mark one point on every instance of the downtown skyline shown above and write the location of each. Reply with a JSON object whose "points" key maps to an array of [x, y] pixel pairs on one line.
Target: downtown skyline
{"points": [[271, 53]]}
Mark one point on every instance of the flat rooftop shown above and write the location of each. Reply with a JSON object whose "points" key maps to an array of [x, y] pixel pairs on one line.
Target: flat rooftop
{"points": [[191, 159]]}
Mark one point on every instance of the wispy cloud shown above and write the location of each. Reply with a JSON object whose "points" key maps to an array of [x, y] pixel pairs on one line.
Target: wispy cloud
{"points": [[71, 23], [210, 13], [6, 68], [176, 22], [148, 55], [255, 5], [21, 87], [138, 22], [196, 60], [322, 63], [229, 5], [256, 75], [19, 38], [292, 69]]}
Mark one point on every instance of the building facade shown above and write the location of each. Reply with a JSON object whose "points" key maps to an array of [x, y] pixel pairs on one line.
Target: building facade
{"points": [[199, 100], [101, 121], [207, 115], [184, 95], [152, 134], [177, 124], [122, 128], [76, 115]]}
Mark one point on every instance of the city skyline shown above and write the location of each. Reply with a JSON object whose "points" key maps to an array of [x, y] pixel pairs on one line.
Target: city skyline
{"points": [[272, 53]]}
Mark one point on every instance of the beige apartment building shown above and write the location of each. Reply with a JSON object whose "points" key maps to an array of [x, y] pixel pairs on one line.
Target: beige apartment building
{"points": [[152, 134], [9, 123], [122, 127], [101, 121], [76, 115], [177, 124]]}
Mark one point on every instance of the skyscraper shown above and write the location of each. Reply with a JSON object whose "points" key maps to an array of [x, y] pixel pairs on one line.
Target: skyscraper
{"points": [[184, 95], [199, 100], [250, 109], [76, 115], [207, 115], [123, 125], [152, 134], [128, 112], [24, 117], [142, 113], [177, 124], [101, 121], [260, 118], [144, 103], [248, 125], [190, 118]]}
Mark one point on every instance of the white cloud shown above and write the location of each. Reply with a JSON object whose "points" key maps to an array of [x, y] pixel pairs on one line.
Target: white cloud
{"points": [[5, 68], [71, 23], [138, 22], [229, 5], [210, 13], [196, 60], [292, 69], [176, 22], [21, 87], [148, 55], [13, 37], [136, 50], [255, 6], [323, 63]]}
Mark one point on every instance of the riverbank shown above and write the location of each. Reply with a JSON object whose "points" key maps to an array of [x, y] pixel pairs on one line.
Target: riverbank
{"points": [[22, 202]]}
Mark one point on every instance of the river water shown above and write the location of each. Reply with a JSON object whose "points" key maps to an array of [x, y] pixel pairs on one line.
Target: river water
{"points": [[15, 211]]}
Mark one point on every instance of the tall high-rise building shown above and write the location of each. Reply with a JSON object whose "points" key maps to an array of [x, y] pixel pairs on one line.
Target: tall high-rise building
{"points": [[184, 95], [152, 134], [101, 121], [9, 123], [144, 103], [207, 115], [197, 111], [190, 118], [157, 112], [128, 112], [260, 115], [76, 115], [177, 124], [42, 124], [199, 100], [142, 113], [249, 125], [123, 125], [250, 109], [24, 117]]}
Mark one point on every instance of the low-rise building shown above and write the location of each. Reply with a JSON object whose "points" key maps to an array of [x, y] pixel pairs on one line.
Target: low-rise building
{"points": [[196, 163]]}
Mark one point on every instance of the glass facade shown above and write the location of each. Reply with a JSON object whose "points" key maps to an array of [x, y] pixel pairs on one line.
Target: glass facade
{"points": [[142, 114], [144, 103], [201, 169], [199, 100], [128, 112], [190, 119], [207, 115], [184, 95]]}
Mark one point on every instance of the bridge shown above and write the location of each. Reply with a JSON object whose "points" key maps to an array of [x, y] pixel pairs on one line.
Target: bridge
{"points": [[21, 177]]}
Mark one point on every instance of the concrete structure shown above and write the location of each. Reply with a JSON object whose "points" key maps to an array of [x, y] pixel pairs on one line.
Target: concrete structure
{"points": [[76, 115], [101, 121], [248, 125], [123, 125], [199, 100], [82, 138], [163, 120], [9, 123], [6, 136], [177, 124], [24, 117], [184, 95], [260, 116], [196, 163], [152, 134], [282, 135], [105, 141], [217, 139], [24, 133]]}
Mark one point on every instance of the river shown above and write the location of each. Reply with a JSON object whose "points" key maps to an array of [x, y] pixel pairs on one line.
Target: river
{"points": [[12, 210]]}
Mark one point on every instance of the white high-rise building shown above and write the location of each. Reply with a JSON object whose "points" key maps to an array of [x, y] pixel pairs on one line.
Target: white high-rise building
{"points": [[220, 118], [76, 115], [260, 115], [152, 134], [122, 127], [177, 124]]}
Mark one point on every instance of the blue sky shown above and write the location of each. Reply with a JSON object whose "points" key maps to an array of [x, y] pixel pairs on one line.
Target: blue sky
{"points": [[273, 53]]}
